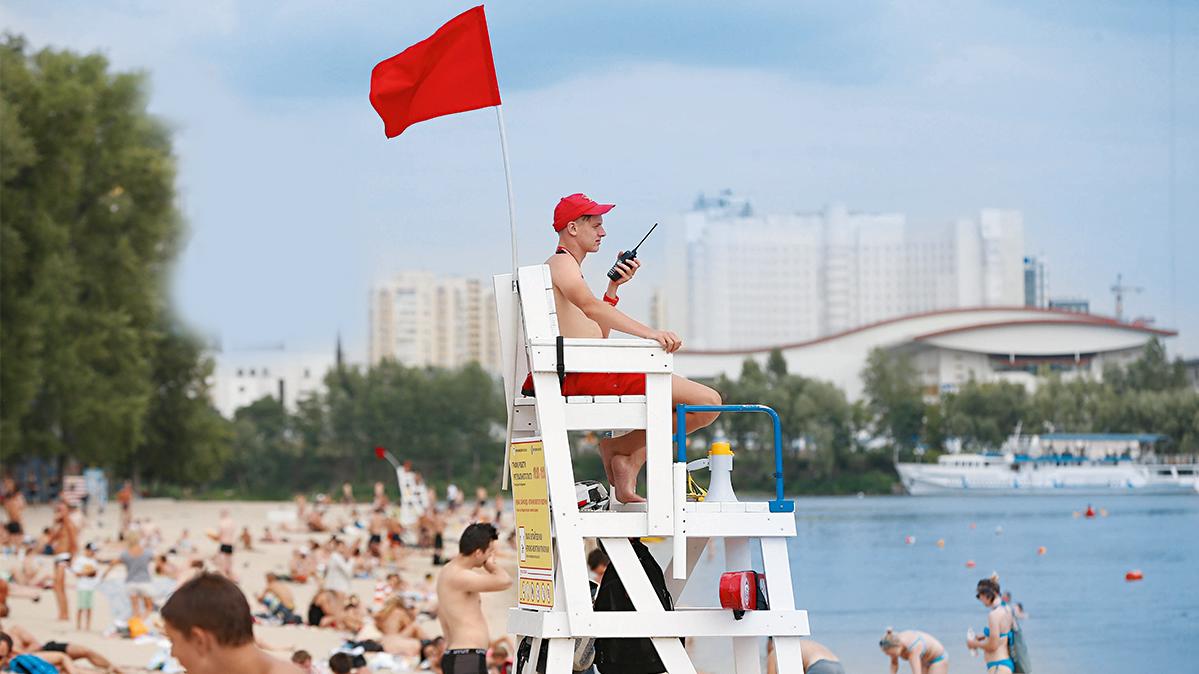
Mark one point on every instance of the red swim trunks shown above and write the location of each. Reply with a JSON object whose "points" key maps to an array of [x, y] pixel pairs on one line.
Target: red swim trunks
{"points": [[596, 384]]}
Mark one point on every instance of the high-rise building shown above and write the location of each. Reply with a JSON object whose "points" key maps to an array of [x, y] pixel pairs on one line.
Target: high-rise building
{"points": [[1034, 281], [743, 280], [420, 319]]}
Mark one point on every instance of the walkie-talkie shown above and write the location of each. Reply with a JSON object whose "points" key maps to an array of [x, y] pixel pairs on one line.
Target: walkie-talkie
{"points": [[614, 273]]}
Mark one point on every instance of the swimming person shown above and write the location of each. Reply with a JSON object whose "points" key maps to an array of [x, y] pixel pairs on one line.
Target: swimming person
{"points": [[923, 652], [994, 639]]}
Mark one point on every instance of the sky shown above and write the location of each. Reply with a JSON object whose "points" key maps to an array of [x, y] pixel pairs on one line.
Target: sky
{"points": [[295, 201]]}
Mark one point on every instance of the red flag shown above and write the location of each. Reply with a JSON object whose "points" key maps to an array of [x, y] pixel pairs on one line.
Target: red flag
{"points": [[451, 71]]}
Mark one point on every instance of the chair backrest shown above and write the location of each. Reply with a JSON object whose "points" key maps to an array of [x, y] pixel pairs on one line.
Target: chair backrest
{"points": [[535, 317], [513, 365]]}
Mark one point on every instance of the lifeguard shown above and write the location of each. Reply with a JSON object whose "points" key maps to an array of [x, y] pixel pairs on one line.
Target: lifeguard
{"points": [[579, 222]]}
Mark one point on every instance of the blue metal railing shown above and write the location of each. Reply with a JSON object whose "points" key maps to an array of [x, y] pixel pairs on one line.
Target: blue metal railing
{"points": [[779, 504]]}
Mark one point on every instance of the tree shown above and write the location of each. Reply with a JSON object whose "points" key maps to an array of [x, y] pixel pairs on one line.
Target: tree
{"points": [[983, 415], [893, 396], [1151, 371], [186, 441], [84, 218], [89, 229], [776, 364], [814, 415]]}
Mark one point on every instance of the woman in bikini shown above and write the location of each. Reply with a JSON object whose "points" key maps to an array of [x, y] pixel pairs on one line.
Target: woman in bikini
{"points": [[923, 652], [994, 639]]}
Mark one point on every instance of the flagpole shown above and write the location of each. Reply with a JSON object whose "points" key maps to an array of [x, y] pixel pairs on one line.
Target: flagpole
{"points": [[508, 392]]}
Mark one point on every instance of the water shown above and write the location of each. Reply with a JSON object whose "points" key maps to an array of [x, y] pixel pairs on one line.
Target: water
{"points": [[856, 576]]}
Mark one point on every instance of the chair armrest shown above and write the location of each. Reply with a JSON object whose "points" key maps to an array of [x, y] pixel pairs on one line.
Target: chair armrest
{"points": [[601, 355], [625, 343]]}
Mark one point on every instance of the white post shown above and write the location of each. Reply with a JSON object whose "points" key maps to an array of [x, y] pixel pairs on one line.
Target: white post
{"points": [[508, 394]]}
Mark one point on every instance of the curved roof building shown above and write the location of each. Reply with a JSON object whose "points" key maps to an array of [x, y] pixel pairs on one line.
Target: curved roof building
{"points": [[949, 347]]}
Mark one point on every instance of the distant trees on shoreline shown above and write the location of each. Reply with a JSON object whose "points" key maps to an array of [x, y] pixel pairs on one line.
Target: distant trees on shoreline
{"points": [[1150, 395]]}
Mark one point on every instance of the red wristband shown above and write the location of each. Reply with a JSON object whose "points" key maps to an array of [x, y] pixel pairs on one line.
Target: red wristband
{"points": [[611, 300]]}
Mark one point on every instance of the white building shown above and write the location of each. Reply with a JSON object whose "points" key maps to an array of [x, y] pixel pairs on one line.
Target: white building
{"points": [[744, 280], [420, 319], [243, 376], [950, 347]]}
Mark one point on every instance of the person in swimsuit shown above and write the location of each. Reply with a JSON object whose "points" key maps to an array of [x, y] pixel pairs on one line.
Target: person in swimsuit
{"points": [[14, 507], [212, 632], [817, 659], [58, 653], [226, 534], [125, 498], [994, 639], [466, 576], [65, 543], [922, 651], [579, 222]]}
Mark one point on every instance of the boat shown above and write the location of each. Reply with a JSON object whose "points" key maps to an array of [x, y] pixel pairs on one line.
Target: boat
{"points": [[1055, 463]]}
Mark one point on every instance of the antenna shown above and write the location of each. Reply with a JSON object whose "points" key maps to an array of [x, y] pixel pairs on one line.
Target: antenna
{"points": [[1118, 290], [651, 231]]}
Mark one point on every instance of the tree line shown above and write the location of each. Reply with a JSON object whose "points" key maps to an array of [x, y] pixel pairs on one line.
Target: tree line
{"points": [[1150, 395]]}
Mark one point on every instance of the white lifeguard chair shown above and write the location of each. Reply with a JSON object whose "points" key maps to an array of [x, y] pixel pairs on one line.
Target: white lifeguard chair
{"points": [[564, 613], [414, 496]]}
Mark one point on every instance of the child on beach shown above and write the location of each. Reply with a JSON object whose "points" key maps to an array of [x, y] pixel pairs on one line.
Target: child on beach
{"points": [[86, 568]]}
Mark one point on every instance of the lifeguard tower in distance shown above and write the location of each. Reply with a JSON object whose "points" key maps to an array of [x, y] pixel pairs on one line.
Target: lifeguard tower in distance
{"points": [[553, 593]]}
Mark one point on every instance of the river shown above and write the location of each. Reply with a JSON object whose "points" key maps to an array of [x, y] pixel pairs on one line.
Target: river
{"points": [[855, 574]]}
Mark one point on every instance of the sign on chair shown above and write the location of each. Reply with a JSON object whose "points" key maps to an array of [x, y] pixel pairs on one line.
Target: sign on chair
{"points": [[531, 502]]}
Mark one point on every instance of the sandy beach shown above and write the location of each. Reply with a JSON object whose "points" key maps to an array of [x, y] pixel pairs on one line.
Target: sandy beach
{"points": [[172, 517]]}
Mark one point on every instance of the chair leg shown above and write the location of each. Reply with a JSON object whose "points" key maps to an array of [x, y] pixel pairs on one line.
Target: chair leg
{"points": [[560, 658]]}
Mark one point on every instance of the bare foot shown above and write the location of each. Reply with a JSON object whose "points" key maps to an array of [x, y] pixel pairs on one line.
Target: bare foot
{"points": [[624, 481]]}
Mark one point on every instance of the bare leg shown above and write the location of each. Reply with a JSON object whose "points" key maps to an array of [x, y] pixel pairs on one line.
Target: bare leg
{"points": [[60, 660], [60, 591], [624, 456], [135, 605], [77, 652]]}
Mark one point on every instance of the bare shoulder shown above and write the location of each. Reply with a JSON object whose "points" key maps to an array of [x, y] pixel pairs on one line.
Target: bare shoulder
{"points": [[563, 264], [448, 575]]}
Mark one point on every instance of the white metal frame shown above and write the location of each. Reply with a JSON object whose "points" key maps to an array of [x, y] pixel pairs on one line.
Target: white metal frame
{"points": [[549, 416]]}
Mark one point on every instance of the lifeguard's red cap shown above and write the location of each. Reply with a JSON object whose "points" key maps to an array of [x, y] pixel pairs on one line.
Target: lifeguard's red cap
{"points": [[575, 206]]}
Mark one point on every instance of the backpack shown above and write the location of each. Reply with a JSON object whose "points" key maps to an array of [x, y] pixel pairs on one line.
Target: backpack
{"points": [[1017, 649], [584, 655], [629, 656]]}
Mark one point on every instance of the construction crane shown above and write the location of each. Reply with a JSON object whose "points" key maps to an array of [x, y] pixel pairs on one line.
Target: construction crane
{"points": [[1118, 290]]}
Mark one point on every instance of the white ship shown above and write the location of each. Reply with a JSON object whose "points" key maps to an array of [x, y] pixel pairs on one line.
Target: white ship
{"points": [[1056, 463]]}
